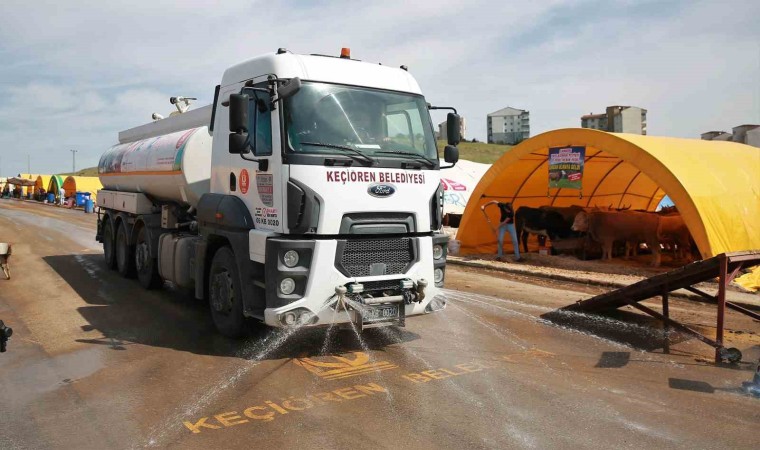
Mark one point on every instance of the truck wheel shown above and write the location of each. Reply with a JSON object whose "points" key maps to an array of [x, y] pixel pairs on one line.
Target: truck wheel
{"points": [[146, 267], [225, 294], [125, 253], [108, 250]]}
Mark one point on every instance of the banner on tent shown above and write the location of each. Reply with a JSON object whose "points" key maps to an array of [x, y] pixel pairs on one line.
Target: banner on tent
{"points": [[566, 167]]}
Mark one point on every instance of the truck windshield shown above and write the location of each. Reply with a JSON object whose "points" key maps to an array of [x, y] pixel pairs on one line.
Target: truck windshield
{"points": [[322, 117]]}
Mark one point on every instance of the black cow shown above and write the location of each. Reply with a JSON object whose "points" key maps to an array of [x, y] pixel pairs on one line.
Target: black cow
{"points": [[541, 222]]}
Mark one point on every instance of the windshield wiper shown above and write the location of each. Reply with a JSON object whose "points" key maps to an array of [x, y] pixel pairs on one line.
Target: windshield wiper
{"points": [[427, 160], [343, 147]]}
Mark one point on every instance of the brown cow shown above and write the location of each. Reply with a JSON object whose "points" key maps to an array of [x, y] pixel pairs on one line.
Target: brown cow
{"points": [[672, 230], [606, 227]]}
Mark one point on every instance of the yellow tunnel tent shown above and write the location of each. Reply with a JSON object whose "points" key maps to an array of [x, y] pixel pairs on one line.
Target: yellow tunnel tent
{"points": [[715, 185], [73, 184], [42, 182]]}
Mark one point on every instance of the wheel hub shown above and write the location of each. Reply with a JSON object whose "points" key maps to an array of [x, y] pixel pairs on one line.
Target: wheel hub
{"points": [[222, 292], [142, 255]]}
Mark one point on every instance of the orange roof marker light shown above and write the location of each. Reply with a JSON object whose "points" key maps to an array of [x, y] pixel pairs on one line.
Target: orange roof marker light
{"points": [[345, 52]]}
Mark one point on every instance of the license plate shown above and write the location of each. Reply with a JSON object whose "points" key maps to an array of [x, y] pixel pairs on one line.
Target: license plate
{"points": [[379, 313]]}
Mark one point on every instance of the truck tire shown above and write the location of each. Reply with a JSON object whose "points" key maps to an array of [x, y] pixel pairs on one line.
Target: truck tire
{"points": [[108, 244], [125, 253], [225, 294], [146, 266]]}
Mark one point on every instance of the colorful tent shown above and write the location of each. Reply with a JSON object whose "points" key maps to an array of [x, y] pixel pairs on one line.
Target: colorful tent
{"points": [[458, 184], [55, 185], [715, 185], [74, 184], [42, 182], [27, 188]]}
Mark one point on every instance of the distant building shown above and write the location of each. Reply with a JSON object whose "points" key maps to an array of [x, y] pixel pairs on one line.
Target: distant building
{"points": [[444, 136], [508, 126], [745, 134], [618, 119], [711, 135], [753, 137], [740, 132]]}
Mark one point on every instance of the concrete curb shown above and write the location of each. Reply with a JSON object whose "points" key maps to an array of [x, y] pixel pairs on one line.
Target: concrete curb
{"points": [[594, 282]]}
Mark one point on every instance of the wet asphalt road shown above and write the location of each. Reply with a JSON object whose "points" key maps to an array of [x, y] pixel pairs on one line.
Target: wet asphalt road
{"points": [[96, 362]]}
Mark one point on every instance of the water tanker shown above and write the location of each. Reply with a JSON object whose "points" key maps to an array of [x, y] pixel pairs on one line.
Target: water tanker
{"points": [[171, 167], [317, 202]]}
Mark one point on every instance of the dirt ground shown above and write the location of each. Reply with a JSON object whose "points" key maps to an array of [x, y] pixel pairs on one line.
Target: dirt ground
{"points": [[96, 362]]}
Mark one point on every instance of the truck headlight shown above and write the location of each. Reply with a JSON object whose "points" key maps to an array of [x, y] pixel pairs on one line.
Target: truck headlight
{"points": [[290, 258], [437, 251], [438, 275], [287, 285], [289, 318]]}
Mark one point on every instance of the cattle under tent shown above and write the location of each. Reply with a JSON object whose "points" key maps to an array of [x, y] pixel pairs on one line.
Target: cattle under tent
{"points": [[715, 185]]}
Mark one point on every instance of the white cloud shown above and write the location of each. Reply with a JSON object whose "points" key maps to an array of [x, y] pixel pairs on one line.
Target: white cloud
{"points": [[74, 73]]}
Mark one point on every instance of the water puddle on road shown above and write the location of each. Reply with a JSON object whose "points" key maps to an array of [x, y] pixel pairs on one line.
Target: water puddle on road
{"points": [[252, 353], [474, 335]]}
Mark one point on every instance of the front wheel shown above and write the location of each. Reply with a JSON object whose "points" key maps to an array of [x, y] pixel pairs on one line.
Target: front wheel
{"points": [[145, 265], [226, 294]]}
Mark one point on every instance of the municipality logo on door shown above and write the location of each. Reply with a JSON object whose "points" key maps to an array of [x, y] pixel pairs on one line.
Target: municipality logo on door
{"points": [[337, 367], [381, 190]]}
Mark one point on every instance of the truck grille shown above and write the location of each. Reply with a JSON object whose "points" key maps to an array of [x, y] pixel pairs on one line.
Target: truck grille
{"points": [[382, 285], [370, 257]]}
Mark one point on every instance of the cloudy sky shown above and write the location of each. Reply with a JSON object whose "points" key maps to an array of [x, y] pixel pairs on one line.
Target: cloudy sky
{"points": [[75, 72]]}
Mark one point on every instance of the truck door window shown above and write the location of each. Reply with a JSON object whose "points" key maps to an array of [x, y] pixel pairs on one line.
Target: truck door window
{"points": [[261, 137]]}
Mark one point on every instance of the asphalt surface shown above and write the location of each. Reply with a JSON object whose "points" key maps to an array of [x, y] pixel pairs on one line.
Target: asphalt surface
{"points": [[97, 362]]}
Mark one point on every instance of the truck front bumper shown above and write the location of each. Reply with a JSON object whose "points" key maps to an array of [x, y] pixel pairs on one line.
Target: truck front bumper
{"points": [[330, 286]]}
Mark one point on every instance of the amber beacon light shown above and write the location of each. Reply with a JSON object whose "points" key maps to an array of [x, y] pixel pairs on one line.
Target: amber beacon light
{"points": [[345, 52]]}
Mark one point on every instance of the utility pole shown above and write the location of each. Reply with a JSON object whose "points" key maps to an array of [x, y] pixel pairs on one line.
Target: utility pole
{"points": [[74, 156]]}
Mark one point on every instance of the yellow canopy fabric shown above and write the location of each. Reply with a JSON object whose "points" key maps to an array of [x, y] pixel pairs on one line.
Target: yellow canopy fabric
{"points": [[750, 280], [43, 182], [715, 185], [74, 184]]}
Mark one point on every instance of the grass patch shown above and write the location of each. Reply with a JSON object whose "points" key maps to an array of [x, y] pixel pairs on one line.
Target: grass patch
{"points": [[88, 172], [478, 151]]}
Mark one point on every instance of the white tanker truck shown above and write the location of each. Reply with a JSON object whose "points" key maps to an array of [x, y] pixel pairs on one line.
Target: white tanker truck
{"points": [[307, 194]]}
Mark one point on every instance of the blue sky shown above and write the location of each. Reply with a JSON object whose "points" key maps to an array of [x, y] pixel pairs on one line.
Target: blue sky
{"points": [[73, 73]]}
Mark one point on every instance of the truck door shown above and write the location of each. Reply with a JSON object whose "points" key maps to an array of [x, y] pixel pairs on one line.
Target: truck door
{"points": [[260, 189]]}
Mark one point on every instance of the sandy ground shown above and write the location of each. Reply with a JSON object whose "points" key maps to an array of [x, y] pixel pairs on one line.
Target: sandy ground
{"points": [[96, 362]]}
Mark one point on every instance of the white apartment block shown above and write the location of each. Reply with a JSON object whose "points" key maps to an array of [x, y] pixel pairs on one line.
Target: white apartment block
{"points": [[508, 126], [745, 134], [618, 119]]}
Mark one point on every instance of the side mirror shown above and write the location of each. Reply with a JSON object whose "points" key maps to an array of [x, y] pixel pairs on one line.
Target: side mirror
{"points": [[239, 143], [452, 129], [451, 154], [238, 113], [289, 89]]}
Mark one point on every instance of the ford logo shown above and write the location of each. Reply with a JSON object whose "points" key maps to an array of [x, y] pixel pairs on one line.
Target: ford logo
{"points": [[381, 190]]}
